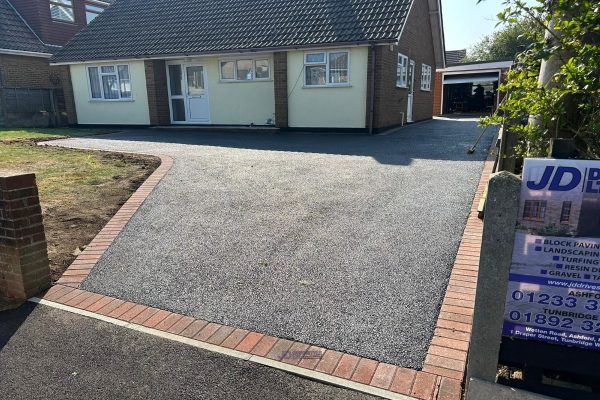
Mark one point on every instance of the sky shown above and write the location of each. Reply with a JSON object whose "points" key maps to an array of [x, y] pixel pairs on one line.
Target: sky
{"points": [[465, 21]]}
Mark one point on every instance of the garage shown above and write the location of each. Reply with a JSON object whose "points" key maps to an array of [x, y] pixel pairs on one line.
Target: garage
{"points": [[469, 88]]}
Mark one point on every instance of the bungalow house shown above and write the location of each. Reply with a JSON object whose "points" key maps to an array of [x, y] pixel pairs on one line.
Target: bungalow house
{"points": [[31, 91], [298, 64]]}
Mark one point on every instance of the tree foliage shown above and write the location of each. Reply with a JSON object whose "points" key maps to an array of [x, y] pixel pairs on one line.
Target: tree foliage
{"points": [[569, 106], [505, 43]]}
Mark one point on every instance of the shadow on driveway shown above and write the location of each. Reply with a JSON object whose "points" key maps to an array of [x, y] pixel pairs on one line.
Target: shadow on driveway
{"points": [[435, 140]]}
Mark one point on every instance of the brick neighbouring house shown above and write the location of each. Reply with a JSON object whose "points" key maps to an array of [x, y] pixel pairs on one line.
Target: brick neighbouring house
{"points": [[294, 64], [32, 93]]}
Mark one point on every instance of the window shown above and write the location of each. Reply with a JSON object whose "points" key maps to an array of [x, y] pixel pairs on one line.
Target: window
{"points": [[565, 213], [110, 82], [425, 77], [534, 210], [245, 70], [327, 68], [62, 10], [402, 71], [92, 12]]}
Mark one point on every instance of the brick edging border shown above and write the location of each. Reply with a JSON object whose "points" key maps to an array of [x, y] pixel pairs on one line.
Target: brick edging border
{"points": [[443, 371]]}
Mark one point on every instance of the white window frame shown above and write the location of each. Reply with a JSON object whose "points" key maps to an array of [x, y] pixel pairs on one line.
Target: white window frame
{"points": [[326, 64], [426, 77], [254, 59], [100, 74], [61, 3], [402, 71]]}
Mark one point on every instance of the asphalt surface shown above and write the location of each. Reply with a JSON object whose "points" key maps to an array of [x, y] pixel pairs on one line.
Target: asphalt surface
{"points": [[342, 241], [47, 353]]}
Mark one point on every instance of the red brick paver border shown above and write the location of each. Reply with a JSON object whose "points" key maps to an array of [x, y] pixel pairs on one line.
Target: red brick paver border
{"points": [[442, 374]]}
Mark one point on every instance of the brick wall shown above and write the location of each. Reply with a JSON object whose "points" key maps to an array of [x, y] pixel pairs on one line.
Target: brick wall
{"points": [[281, 90], [158, 92], [24, 265], [28, 72], [415, 43], [37, 15], [70, 113], [24, 72]]}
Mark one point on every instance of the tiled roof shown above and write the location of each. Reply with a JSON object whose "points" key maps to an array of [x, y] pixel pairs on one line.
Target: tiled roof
{"points": [[143, 28], [15, 34], [455, 56]]}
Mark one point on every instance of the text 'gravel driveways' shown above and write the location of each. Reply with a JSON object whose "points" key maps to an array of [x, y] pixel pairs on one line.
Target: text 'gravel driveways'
{"points": [[342, 241]]}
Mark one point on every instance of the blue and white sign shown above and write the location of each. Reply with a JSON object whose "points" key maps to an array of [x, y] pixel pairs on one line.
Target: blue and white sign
{"points": [[554, 284]]}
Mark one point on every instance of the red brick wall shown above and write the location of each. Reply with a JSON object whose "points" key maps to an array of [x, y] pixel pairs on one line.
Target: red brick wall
{"points": [[391, 101], [417, 43], [37, 15], [28, 72], [281, 90], [158, 92], [23, 72]]}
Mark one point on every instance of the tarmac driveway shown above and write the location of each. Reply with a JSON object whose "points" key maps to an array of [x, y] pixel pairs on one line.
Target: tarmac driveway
{"points": [[342, 241]]}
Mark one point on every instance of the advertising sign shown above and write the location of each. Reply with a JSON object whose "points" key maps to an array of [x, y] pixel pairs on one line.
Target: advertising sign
{"points": [[554, 285]]}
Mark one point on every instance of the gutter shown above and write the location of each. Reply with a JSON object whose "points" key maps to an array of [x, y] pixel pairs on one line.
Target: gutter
{"points": [[25, 53]]}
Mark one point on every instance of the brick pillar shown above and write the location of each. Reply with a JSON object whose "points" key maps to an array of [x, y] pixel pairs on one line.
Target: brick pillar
{"points": [[437, 94], [24, 265], [281, 89], [158, 92], [69, 97]]}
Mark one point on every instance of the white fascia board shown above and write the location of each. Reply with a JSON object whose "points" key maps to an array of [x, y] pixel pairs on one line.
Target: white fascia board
{"points": [[466, 68]]}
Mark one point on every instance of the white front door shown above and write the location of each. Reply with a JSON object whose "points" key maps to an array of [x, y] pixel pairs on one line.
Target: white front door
{"points": [[411, 92], [188, 94]]}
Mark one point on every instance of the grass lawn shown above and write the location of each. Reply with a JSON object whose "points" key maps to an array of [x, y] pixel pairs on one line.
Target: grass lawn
{"points": [[41, 134], [79, 190]]}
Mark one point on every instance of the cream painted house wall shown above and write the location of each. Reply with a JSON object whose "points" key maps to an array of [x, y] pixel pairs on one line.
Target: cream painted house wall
{"points": [[128, 112], [328, 107], [241, 102]]}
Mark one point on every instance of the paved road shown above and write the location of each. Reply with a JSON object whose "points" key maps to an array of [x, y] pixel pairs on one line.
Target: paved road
{"points": [[47, 353], [343, 241]]}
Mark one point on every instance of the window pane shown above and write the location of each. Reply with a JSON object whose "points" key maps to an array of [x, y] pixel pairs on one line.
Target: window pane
{"points": [[244, 70], [195, 80], [315, 58], [62, 13], [315, 75], [123, 71], [227, 68], [95, 83], [124, 81], [89, 17], [178, 107], [175, 80], [262, 69], [107, 69], [338, 67], [110, 85]]}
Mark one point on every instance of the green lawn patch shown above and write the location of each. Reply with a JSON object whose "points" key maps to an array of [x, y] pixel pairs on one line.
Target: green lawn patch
{"points": [[41, 134]]}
